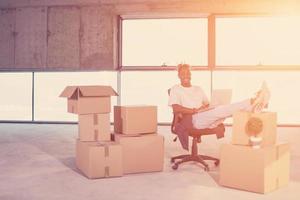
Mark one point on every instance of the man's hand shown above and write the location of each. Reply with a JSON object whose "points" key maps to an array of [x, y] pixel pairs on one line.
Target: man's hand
{"points": [[204, 108], [180, 109]]}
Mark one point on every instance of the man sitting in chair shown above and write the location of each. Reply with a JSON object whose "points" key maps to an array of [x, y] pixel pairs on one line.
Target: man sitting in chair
{"points": [[188, 99]]}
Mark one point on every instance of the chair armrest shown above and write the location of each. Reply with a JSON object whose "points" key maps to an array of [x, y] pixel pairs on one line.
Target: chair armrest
{"points": [[176, 119]]}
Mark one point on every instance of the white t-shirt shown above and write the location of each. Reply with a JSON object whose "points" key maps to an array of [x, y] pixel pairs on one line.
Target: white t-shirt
{"points": [[189, 97]]}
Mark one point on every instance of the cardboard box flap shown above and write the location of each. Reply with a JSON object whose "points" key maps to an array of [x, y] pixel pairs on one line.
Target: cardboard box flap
{"points": [[97, 90], [69, 91]]}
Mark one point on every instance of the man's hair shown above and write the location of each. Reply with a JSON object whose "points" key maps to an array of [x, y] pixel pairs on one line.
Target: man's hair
{"points": [[182, 67]]}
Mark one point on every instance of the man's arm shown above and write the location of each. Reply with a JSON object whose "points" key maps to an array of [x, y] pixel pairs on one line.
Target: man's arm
{"points": [[181, 109]]}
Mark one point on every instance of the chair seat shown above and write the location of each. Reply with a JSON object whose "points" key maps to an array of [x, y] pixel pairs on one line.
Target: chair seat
{"points": [[207, 131]]}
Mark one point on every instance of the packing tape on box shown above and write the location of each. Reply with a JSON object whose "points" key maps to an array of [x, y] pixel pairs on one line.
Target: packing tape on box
{"points": [[106, 150], [96, 134], [106, 147], [95, 119], [106, 154], [106, 174], [277, 158]]}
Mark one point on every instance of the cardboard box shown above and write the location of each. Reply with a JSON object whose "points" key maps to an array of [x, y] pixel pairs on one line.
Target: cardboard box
{"points": [[94, 127], [135, 119], [98, 160], [257, 170], [240, 128], [88, 99], [143, 153]]}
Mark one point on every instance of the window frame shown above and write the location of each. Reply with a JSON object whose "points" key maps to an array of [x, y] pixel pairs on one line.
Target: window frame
{"points": [[295, 67], [157, 16]]}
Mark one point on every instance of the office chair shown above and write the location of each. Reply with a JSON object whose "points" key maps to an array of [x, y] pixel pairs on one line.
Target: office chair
{"points": [[196, 135]]}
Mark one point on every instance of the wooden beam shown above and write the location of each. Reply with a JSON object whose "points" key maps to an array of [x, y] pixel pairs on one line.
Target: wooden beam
{"points": [[206, 6]]}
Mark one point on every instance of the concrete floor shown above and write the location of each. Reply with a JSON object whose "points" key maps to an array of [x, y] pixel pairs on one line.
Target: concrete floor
{"points": [[38, 162]]}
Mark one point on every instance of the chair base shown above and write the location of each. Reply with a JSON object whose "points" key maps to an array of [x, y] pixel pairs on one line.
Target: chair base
{"points": [[196, 158]]}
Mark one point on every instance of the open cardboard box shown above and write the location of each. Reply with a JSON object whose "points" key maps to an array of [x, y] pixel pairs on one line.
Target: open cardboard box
{"points": [[88, 99]]}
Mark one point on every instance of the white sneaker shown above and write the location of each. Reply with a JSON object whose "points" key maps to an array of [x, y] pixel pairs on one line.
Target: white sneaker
{"points": [[262, 99]]}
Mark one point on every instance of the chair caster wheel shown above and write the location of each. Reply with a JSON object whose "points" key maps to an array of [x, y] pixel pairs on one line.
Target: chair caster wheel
{"points": [[175, 167], [172, 160], [206, 168], [217, 163]]}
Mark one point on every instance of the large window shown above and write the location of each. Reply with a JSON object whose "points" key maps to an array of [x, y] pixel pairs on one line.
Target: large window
{"points": [[283, 86], [157, 42], [257, 41], [150, 88], [16, 96], [241, 41]]}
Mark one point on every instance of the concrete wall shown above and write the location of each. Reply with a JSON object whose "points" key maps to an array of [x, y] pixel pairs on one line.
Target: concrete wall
{"points": [[57, 38], [82, 34]]}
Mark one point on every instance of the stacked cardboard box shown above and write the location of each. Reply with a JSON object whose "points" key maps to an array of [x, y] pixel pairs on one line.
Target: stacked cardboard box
{"points": [[261, 169], [96, 155], [135, 129], [99, 159], [136, 146]]}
